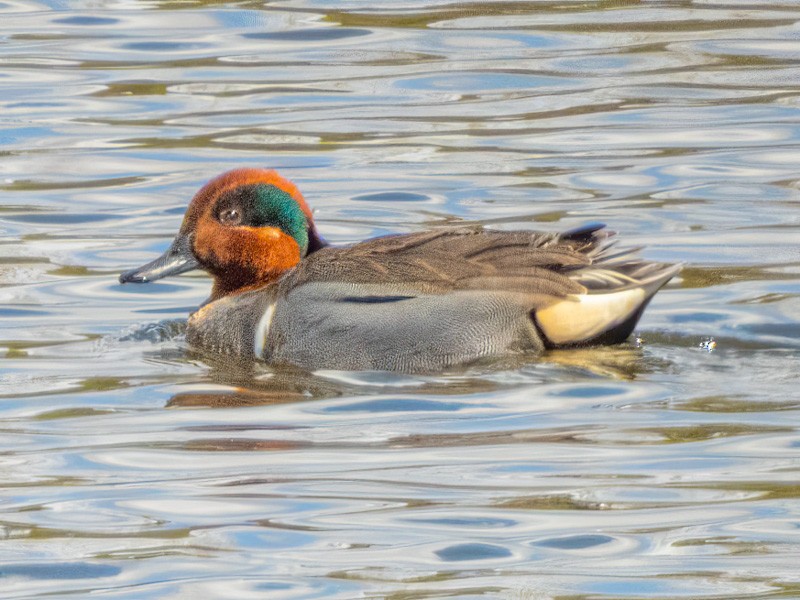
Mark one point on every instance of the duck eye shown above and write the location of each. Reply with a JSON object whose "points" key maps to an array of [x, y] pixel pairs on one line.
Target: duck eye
{"points": [[230, 216]]}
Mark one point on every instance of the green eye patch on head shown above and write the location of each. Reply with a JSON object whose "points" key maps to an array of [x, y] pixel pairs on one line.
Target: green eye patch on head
{"points": [[263, 205]]}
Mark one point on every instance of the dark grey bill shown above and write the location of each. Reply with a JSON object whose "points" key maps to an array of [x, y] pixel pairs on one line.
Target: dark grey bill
{"points": [[176, 260]]}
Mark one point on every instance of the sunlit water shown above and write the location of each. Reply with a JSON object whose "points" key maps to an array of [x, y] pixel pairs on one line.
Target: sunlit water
{"points": [[666, 467]]}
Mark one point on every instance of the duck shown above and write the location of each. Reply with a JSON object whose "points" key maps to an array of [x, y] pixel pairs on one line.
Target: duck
{"points": [[415, 302]]}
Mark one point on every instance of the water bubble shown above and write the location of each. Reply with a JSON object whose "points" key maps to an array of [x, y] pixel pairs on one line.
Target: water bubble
{"points": [[708, 344]]}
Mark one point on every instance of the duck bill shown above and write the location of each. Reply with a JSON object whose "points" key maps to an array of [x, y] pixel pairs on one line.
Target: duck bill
{"points": [[176, 260]]}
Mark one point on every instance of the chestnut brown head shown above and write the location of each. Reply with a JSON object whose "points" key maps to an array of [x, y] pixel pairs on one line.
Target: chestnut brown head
{"points": [[246, 228]]}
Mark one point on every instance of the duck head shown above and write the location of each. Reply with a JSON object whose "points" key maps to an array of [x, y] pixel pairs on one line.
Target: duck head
{"points": [[246, 228]]}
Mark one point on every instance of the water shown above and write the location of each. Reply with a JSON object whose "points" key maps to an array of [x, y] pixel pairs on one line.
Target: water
{"points": [[666, 467]]}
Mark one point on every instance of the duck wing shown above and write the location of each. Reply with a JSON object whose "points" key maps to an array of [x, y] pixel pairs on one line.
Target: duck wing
{"points": [[464, 258]]}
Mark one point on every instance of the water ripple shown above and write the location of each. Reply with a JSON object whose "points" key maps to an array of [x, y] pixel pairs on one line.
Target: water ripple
{"points": [[665, 466]]}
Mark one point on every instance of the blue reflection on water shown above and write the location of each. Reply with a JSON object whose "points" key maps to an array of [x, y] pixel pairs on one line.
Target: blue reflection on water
{"points": [[475, 551], [79, 570], [398, 405], [575, 542]]}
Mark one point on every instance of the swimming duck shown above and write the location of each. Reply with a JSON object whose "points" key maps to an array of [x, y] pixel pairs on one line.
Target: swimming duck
{"points": [[413, 302]]}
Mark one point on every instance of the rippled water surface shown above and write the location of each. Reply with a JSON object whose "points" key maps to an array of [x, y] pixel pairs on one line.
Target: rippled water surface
{"points": [[666, 467]]}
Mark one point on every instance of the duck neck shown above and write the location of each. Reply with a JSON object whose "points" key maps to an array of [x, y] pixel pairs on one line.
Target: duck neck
{"points": [[228, 285], [269, 252]]}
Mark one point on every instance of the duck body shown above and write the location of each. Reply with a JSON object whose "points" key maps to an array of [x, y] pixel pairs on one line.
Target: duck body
{"points": [[419, 302]]}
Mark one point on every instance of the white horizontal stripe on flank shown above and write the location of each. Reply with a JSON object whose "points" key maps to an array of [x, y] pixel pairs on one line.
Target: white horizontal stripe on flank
{"points": [[262, 329]]}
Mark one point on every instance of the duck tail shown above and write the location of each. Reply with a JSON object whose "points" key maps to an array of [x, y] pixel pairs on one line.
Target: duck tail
{"points": [[618, 289]]}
